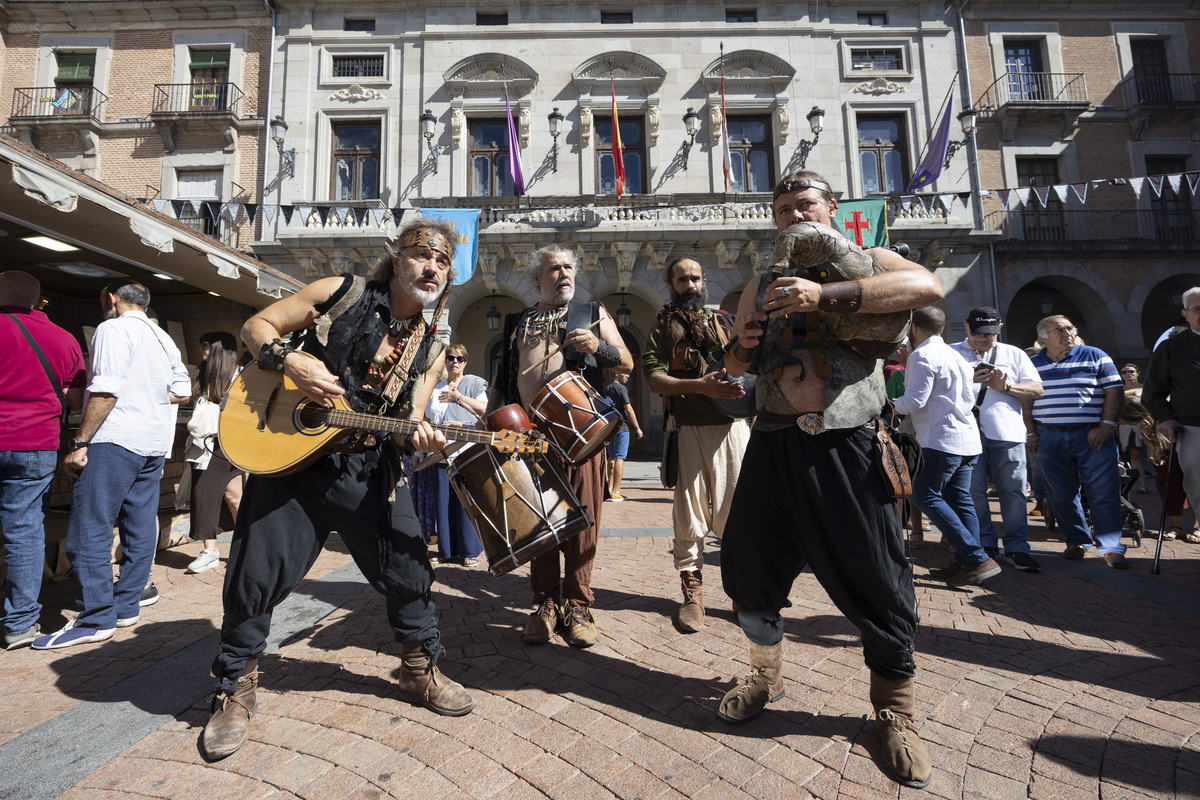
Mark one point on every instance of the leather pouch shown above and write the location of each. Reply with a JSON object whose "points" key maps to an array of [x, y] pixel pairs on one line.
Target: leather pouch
{"points": [[892, 465]]}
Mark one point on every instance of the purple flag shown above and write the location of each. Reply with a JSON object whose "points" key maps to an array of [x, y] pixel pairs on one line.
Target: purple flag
{"points": [[935, 156], [514, 152]]}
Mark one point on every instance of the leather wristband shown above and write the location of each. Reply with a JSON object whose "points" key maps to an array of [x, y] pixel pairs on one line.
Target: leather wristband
{"points": [[607, 355], [844, 297], [272, 355]]}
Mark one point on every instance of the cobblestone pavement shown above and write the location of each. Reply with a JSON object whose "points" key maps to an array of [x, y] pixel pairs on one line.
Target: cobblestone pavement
{"points": [[1077, 682]]}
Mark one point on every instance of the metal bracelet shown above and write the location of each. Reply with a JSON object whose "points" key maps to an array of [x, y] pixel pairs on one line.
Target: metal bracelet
{"points": [[607, 355]]}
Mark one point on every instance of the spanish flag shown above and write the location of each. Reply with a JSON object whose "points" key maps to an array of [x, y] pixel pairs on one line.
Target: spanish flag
{"points": [[618, 159]]}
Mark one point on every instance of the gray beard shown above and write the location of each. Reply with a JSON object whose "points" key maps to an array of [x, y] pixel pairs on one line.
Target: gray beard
{"points": [[692, 299], [560, 298], [111, 314], [425, 297]]}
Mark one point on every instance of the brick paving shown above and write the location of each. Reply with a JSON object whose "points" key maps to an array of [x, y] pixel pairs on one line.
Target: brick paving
{"points": [[1078, 682]]}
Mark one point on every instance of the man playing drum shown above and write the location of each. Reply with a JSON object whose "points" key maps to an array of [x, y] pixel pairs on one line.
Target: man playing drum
{"points": [[589, 342], [361, 332], [811, 492]]}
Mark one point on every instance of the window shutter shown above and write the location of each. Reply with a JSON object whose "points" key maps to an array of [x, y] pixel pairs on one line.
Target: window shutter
{"points": [[76, 66], [209, 59]]}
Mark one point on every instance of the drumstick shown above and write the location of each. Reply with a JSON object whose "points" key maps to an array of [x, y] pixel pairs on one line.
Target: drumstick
{"points": [[441, 455], [554, 352]]}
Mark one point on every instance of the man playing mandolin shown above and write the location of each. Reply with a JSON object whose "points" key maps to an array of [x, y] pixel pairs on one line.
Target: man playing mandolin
{"points": [[542, 343], [369, 338]]}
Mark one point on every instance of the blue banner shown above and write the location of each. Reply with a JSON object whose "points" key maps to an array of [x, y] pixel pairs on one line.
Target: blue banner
{"points": [[466, 222]]}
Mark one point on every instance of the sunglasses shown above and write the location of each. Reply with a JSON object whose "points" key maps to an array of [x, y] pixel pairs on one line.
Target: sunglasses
{"points": [[452, 359]]}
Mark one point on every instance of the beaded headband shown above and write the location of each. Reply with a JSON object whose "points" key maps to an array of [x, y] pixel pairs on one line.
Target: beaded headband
{"points": [[787, 187], [424, 237]]}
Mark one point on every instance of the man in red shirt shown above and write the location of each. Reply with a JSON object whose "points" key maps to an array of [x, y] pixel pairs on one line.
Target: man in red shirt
{"points": [[29, 440]]}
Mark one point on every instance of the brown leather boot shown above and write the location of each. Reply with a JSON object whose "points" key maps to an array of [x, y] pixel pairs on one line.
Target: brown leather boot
{"points": [[904, 754], [761, 685], [423, 684], [229, 725], [690, 617]]}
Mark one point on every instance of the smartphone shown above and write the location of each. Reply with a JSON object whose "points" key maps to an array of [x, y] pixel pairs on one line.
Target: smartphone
{"points": [[984, 366]]}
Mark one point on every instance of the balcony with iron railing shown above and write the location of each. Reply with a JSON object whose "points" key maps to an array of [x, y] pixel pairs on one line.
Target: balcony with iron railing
{"points": [[1017, 97], [48, 103], [1172, 228], [1171, 92], [197, 98]]}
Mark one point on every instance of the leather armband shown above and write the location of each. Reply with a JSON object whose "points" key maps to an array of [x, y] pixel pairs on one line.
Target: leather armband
{"points": [[844, 297], [607, 355], [272, 355]]}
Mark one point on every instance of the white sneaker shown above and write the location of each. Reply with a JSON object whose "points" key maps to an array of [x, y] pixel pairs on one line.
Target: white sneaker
{"points": [[205, 561], [128, 622]]}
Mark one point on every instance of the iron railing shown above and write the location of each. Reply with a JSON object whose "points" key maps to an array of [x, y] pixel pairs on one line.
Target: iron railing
{"points": [[1055, 225], [56, 101], [1036, 87], [202, 98], [1161, 90]]}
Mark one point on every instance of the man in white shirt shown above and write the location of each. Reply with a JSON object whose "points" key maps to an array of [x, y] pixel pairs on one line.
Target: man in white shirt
{"points": [[135, 381], [1003, 377], [938, 395]]}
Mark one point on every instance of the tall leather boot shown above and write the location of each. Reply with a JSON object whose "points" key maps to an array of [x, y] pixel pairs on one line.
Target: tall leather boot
{"points": [[690, 617], [423, 684], [761, 685], [229, 725], [904, 754]]}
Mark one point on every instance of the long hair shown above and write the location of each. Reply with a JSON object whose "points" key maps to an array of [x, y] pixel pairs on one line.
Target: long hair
{"points": [[217, 371]]}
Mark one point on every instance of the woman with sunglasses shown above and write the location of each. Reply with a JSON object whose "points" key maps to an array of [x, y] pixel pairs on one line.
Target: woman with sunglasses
{"points": [[458, 399]]}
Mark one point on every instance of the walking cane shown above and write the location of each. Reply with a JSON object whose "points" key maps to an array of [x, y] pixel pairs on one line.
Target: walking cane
{"points": [[1162, 522]]}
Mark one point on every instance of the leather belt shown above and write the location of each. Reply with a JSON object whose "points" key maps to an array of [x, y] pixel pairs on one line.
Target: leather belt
{"points": [[812, 423], [1063, 428]]}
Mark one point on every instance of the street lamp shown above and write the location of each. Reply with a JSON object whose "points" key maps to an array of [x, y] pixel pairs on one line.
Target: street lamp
{"points": [[287, 158], [555, 119], [493, 316], [1046, 304], [967, 120], [428, 126], [624, 314], [691, 124], [816, 121]]}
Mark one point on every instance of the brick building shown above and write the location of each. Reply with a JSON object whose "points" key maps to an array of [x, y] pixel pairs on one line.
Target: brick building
{"points": [[1070, 100]]}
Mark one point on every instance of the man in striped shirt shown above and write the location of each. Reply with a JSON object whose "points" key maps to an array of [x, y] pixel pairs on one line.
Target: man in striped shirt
{"points": [[1071, 433]]}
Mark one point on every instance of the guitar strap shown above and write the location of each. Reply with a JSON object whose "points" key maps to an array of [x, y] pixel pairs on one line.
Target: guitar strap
{"points": [[400, 372]]}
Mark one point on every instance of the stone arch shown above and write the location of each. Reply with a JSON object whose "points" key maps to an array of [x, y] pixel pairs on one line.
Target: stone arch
{"points": [[1149, 301], [633, 73], [487, 74], [1071, 289]]}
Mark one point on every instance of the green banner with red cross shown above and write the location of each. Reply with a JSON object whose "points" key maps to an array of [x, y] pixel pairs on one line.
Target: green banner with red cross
{"points": [[863, 222]]}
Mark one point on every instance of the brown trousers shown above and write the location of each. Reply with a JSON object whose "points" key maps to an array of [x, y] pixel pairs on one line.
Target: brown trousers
{"points": [[579, 552]]}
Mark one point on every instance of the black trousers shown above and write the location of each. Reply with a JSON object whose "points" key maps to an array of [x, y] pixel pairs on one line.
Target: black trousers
{"points": [[820, 501], [283, 524]]}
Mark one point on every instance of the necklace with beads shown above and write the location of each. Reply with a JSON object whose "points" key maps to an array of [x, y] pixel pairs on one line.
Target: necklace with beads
{"points": [[540, 326], [381, 365]]}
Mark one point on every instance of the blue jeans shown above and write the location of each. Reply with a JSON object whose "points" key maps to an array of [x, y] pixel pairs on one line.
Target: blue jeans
{"points": [[1067, 462], [25, 477], [116, 487], [942, 489], [1007, 463]]}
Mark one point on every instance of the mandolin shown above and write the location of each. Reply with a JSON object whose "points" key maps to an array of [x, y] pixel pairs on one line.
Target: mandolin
{"points": [[269, 427]]}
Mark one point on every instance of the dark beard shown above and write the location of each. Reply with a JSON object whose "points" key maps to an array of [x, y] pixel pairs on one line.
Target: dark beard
{"points": [[692, 299]]}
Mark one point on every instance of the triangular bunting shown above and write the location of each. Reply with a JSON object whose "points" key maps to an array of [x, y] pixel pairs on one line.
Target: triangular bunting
{"points": [[360, 216], [1002, 196], [1156, 183], [303, 215], [1060, 191], [926, 201], [159, 205], [1022, 197], [1138, 184], [377, 215], [214, 210], [177, 207], [397, 215], [269, 213], [965, 199], [947, 202], [195, 207], [1193, 180], [251, 212], [1042, 193], [1080, 190], [232, 210], [1176, 182], [323, 214], [906, 201], [287, 212]]}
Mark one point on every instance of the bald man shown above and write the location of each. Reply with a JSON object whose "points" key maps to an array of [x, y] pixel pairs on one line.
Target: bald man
{"points": [[30, 410]]}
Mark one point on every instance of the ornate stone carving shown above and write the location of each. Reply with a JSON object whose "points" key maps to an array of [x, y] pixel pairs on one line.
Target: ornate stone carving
{"points": [[657, 253], [631, 72], [933, 255], [758, 255], [340, 265], [485, 75], [749, 72], [355, 94], [714, 123], [585, 126], [488, 259], [312, 264], [589, 260], [525, 123], [878, 86], [626, 255], [782, 122], [652, 123], [458, 126], [727, 255]]}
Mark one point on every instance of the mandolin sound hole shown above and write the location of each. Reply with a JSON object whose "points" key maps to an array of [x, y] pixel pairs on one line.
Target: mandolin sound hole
{"points": [[311, 417]]}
